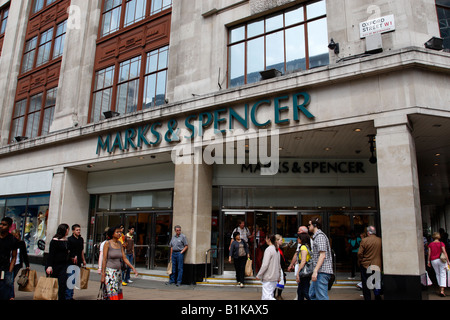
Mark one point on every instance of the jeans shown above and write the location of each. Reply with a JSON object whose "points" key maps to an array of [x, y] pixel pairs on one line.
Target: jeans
{"points": [[319, 288], [177, 267], [6, 286], [126, 274]]}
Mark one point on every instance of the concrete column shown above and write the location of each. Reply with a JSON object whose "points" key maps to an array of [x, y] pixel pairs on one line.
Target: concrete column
{"points": [[400, 211], [77, 67], [69, 202], [10, 60], [192, 211]]}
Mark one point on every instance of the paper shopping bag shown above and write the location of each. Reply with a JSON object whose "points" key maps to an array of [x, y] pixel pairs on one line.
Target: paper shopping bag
{"points": [[169, 268], [249, 268], [46, 289], [31, 283], [84, 278]]}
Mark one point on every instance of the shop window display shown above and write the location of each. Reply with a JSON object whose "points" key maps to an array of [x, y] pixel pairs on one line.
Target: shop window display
{"points": [[29, 215]]}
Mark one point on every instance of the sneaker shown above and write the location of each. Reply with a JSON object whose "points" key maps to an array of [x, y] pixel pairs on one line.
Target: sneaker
{"points": [[242, 285], [124, 283], [129, 281], [351, 278]]}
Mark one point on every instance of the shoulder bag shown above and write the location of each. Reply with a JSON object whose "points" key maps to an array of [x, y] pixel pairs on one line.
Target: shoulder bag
{"points": [[308, 268]]}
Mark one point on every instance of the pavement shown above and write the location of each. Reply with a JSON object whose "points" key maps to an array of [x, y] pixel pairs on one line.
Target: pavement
{"points": [[144, 289]]}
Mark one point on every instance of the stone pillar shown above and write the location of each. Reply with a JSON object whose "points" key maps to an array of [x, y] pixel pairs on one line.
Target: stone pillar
{"points": [[192, 211], [400, 211], [77, 67], [69, 202], [10, 61]]}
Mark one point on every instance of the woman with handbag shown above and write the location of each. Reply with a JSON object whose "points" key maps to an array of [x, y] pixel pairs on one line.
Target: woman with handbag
{"points": [[58, 259], [305, 268], [113, 255], [438, 258], [239, 252]]}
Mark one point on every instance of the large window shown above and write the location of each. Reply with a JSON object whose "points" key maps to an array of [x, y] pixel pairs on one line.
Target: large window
{"points": [[134, 11], [38, 5], [44, 47], [29, 215], [443, 12], [33, 116], [132, 90], [288, 41]]}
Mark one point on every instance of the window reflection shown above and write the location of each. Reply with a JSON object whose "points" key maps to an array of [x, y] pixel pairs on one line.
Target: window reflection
{"points": [[279, 42]]}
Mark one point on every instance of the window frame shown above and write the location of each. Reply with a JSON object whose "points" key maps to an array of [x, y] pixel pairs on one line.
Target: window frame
{"points": [[305, 22], [114, 87], [29, 115], [447, 8], [149, 15], [4, 14], [45, 5]]}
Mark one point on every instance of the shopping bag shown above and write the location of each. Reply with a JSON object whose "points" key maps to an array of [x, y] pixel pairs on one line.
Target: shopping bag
{"points": [[448, 277], [281, 283], [84, 278], [31, 282], [102, 294], [249, 268], [22, 280], [169, 268], [46, 289]]}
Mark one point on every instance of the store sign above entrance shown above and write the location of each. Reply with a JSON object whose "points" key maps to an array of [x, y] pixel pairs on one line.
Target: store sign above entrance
{"points": [[261, 114], [377, 25]]}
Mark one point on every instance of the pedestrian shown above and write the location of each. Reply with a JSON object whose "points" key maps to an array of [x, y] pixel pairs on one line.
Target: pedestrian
{"points": [[435, 249], [178, 246], [278, 244], [370, 255], [270, 270], [304, 255], [294, 261], [354, 242], [8, 255], [240, 253], [22, 257], [113, 255], [322, 261], [58, 259], [244, 232], [129, 251], [76, 254]]}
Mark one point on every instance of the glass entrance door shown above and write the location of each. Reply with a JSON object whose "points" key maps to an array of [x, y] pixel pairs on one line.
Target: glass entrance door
{"points": [[262, 223], [344, 226], [230, 222], [141, 223], [160, 240]]}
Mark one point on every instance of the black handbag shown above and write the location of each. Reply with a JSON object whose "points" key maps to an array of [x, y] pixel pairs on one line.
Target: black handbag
{"points": [[308, 268]]}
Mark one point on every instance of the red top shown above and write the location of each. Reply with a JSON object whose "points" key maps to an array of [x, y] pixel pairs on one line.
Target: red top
{"points": [[435, 250]]}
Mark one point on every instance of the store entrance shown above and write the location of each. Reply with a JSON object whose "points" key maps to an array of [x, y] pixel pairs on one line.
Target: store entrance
{"points": [[339, 227], [258, 223], [151, 236]]}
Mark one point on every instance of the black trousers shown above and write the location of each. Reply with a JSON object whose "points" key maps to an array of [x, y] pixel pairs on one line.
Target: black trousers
{"points": [[239, 266]]}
